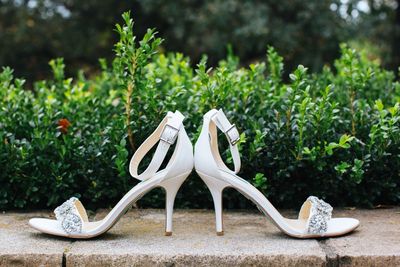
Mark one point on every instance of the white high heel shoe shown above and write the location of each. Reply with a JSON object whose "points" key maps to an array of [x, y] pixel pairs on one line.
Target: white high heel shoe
{"points": [[71, 218], [315, 215]]}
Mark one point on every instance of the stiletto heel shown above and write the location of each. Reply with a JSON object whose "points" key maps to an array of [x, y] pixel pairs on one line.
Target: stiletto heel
{"points": [[315, 217], [171, 187], [71, 219], [216, 188]]}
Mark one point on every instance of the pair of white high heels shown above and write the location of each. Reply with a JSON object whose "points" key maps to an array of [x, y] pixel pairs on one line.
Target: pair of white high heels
{"points": [[314, 219]]}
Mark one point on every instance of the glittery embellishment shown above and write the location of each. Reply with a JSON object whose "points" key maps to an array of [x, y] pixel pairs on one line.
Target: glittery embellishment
{"points": [[66, 214], [320, 214], [72, 223], [65, 208]]}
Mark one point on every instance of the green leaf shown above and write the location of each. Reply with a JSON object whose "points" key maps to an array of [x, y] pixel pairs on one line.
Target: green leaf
{"points": [[342, 167], [379, 105], [293, 77]]}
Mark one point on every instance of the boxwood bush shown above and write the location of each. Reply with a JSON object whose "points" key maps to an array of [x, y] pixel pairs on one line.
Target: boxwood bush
{"points": [[333, 134]]}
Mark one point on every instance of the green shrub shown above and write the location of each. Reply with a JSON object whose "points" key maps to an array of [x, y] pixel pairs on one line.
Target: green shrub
{"points": [[334, 134]]}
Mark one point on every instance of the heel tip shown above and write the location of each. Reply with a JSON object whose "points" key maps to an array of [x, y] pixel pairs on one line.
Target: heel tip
{"points": [[168, 233], [220, 233]]}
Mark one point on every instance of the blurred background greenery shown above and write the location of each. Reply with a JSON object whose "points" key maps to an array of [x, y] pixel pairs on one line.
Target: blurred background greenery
{"points": [[32, 32], [330, 128]]}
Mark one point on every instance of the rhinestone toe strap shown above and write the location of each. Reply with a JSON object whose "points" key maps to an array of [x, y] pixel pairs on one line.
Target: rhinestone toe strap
{"points": [[317, 213], [69, 217]]}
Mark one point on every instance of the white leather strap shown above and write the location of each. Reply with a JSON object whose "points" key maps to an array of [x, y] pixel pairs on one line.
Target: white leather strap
{"points": [[166, 135], [232, 134]]}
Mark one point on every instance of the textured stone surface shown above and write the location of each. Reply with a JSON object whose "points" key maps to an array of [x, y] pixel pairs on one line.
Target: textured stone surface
{"points": [[375, 243], [21, 245], [250, 239]]}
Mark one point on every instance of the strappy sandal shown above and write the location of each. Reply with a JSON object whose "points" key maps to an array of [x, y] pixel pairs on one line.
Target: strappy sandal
{"points": [[71, 218], [315, 217]]}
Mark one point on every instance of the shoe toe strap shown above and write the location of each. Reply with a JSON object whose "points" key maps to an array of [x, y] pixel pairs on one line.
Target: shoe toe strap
{"points": [[71, 215], [317, 213]]}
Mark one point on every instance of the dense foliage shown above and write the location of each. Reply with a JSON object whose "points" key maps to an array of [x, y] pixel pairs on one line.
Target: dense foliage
{"points": [[304, 32], [333, 134]]}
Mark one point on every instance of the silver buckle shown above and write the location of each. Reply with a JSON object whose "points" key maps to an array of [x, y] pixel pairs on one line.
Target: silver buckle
{"points": [[237, 139], [169, 134]]}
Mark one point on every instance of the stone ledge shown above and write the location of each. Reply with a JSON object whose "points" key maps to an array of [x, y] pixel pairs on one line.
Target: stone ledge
{"points": [[250, 239]]}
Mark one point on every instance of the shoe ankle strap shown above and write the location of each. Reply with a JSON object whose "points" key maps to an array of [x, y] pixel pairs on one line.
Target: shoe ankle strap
{"points": [[166, 135], [231, 133]]}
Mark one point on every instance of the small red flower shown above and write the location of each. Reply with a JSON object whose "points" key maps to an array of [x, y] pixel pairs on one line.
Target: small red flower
{"points": [[63, 125]]}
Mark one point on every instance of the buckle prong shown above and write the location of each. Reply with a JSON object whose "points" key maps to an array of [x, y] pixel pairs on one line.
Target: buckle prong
{"points": [[169, 139], [237, 139]]}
